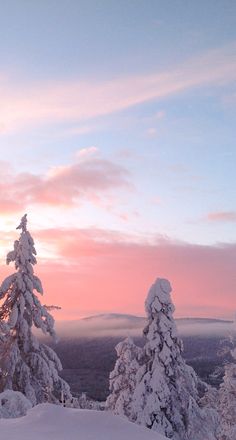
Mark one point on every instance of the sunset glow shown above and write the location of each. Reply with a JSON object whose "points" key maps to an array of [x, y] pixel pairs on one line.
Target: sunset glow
{"points": [[120, 146]]}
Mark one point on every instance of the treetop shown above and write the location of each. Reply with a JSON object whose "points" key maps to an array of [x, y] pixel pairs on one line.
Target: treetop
{"points": [[23, 223]]}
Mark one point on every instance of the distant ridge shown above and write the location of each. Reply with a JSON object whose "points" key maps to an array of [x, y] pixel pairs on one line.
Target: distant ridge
{"points": [[204, 320], [141, 318], [123, 325], [112, 316]]}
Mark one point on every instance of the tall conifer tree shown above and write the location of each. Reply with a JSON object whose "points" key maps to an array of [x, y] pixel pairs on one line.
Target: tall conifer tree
{"points": [[166, 395], [26, 364]]}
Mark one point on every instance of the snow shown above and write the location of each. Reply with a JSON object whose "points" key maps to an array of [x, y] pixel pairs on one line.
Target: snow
{"points": [[54, 422]]}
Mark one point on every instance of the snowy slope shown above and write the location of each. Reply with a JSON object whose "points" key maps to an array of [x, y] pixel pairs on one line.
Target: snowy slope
{"points": [[54, 422]]}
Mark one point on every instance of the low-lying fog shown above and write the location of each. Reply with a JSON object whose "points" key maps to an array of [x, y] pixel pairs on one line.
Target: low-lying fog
{"points": [[109, 325]]}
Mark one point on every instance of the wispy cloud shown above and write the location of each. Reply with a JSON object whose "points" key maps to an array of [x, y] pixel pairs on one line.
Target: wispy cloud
{"points": [[23, 105], [222, 216]]}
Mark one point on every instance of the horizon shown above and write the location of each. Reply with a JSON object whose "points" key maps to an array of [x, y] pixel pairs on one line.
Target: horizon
{"points": [[122, 325], [143, 316], [117, 137]]}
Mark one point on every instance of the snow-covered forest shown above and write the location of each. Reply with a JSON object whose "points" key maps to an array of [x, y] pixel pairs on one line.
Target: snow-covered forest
{"points": [[153, 392]]}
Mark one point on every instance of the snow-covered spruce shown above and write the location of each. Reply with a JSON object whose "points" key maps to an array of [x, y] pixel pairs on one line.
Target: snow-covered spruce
{"points": [[123, 378], [227, 401], [26, 365], [166, 396]]}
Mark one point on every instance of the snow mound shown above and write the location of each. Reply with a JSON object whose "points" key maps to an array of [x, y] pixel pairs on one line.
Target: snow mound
{"points": [[54, 422], [13, 404]]}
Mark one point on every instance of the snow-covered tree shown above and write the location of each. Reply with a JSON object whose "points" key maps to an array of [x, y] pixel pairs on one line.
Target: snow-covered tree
{"points": [[123, 378], [13, 404], [227, 401], [166, 396], [27, 365], [85, 402]]}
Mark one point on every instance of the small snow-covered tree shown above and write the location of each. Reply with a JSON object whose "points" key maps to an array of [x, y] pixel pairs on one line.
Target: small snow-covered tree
{"points": [[27, 365], [227, 401], [166, 396], [123, 378], [13, 404]]}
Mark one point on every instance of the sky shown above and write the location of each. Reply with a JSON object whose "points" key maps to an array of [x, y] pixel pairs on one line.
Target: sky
{"points": [[117, 137]]}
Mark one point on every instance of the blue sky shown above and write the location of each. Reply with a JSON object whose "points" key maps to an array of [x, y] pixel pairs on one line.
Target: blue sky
{"points": [[117, 137], [134, 59], [71, 38]]}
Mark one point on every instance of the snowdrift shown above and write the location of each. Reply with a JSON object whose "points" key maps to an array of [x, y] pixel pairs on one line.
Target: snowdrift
{"points": [[53, 422]]}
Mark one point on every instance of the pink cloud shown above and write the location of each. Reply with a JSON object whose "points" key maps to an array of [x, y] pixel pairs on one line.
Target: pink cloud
{"points": [[62, 185], [24, 105], [84, 153], [106, 271], [222, 216]]}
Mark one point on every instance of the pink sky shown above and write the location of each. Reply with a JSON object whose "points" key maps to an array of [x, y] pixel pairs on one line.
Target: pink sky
{"points": [[97, 269], [100, 271]]}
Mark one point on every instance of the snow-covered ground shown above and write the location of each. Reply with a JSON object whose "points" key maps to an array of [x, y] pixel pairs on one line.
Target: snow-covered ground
{"points": [[53, 422]]}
